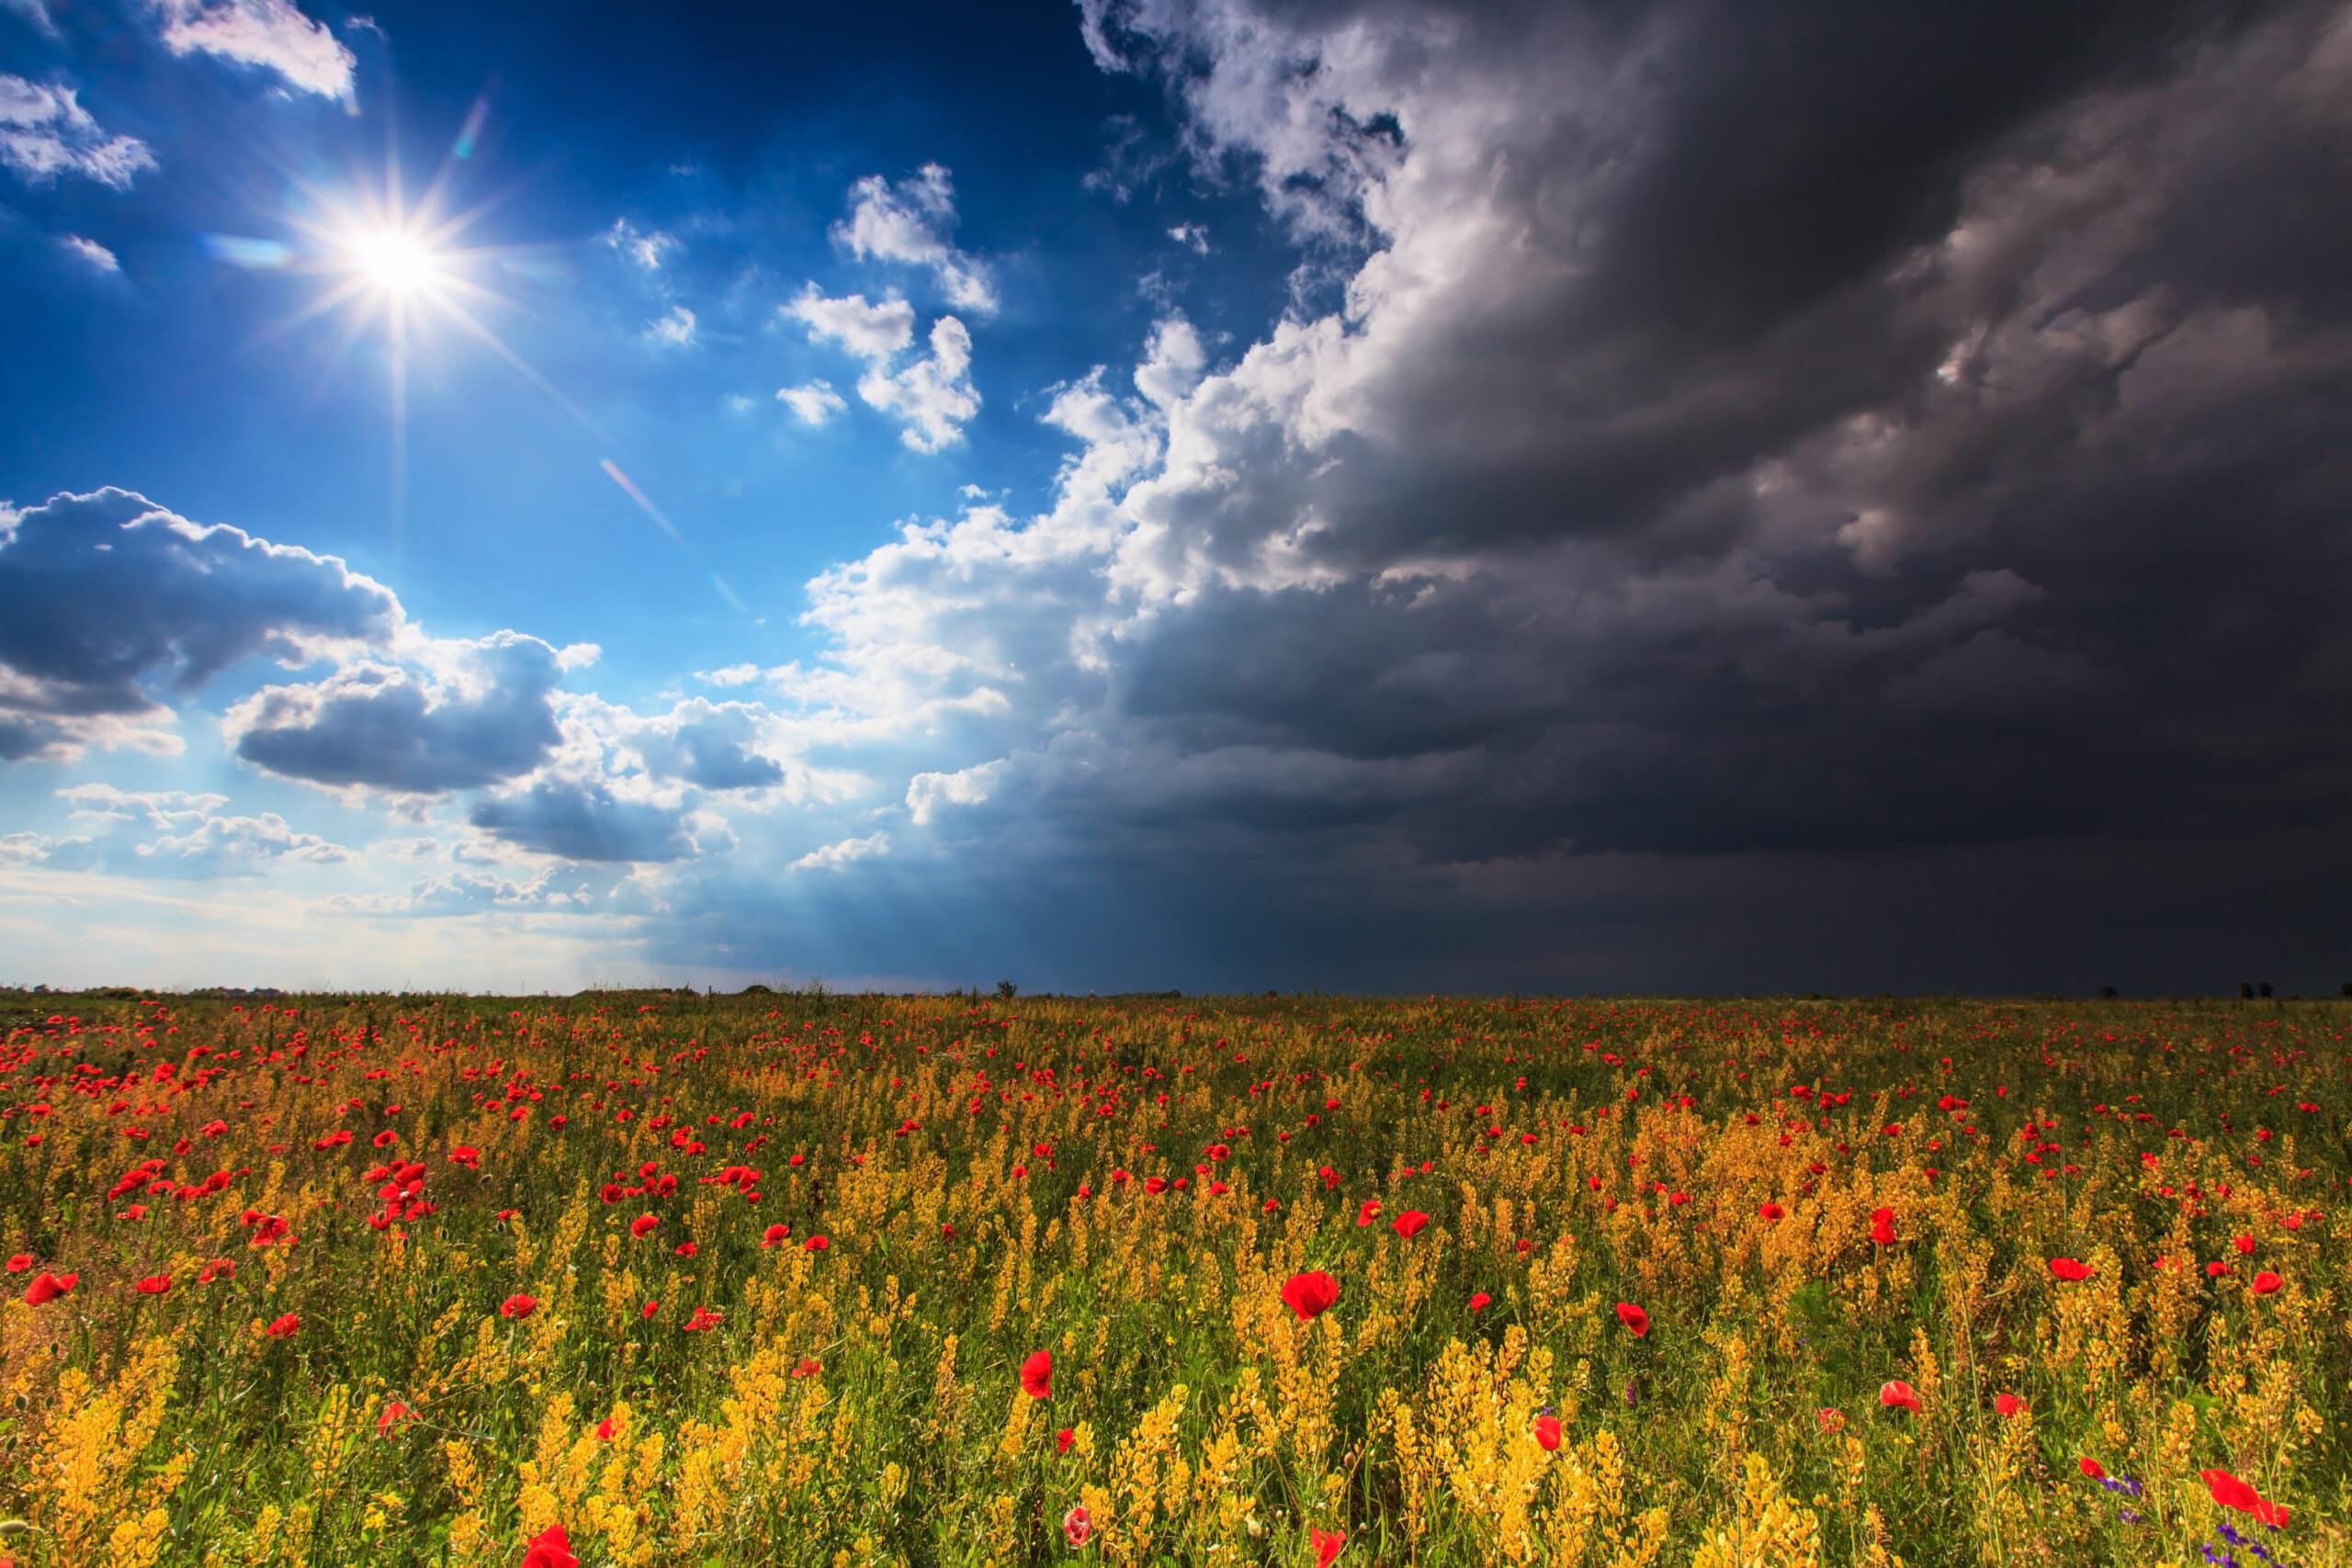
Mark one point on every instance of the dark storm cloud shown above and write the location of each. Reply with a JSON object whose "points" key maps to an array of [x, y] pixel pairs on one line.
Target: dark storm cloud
{"points": [[1773, 428], [99, 591]]}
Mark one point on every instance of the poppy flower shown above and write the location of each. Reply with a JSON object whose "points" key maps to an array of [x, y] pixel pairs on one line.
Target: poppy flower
{"points": [[2232, 1493], [1077, 1525], [807, 1367], [2216, 1268], [549, 1548], [1895, 1393], [1367, 1211], [47, 1287], [774, 1234], [815, 1244], [1547, 1431], [1772, 1213], [393, 1411], [1062, 1440], [604, 1430], [1310, 1294], [1038, 1375], [1326, 1544], [2067, 1269], [2244, 1243], [518, 1306], [1408, 1224], [19, 1262], [2007, 1404], [2266, 1282], [1830, 1418], [1480, 1302], [1633, 1318], [649, 1309], [703, 1320], [153, 1285], [641, 1226], [2093, 1469], [1883, 1226], [286, 1327]]}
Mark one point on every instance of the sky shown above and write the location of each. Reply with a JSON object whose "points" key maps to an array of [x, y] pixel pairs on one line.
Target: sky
{"points": [[1660, 496]]}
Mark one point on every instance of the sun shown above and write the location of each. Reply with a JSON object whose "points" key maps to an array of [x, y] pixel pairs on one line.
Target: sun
{"points": [[394, 262]]}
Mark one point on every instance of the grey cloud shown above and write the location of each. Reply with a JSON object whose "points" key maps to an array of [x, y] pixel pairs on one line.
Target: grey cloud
{"points": [[490, 719], [585, 821], [71, 661]]}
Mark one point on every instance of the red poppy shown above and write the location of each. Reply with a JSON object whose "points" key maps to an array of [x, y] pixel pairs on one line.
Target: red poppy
{"points": [[604, 1430], [1062, 1440], [2093, 1469], [1633, 1318], [649, 1309], [1367, 1211], [2216, 1268], [1408, 1224], [2232, 1493], [643, 1223], [393, 1411], [2069, 1270], [1326, 1544], [518, 1306], [153, 1285], [1772, 1214], [19, 1262], [1547, 1431], [2007, 1404], [703, 1320], [2245, 1244], [776, 1234], [549, 1548], [807, 1367], [47, 1287], [284, 1328], [1480, 1302], [1883, 1226], [815, 1244], [1310, 1294], [1896, 1392], [1038, 1375], [2266, 1282], [1830, 1418], [1077, 1525]]}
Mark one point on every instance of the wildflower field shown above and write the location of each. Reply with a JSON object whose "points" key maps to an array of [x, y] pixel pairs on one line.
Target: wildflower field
{"points": [[639, 1278]]}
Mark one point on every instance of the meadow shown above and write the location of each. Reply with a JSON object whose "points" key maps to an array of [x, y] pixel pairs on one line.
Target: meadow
{"points": [[657, 1279]]}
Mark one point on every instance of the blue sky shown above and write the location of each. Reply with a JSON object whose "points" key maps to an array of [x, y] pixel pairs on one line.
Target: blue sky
{"points": [[1128, 494]]}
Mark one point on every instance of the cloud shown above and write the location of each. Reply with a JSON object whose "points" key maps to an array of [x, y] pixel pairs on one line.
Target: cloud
{"points": [[1550, 548], [907, 224], [647, 249], [271, 34], [92, 252], [579, 820], [834, 856], [476, 714], [675, 327], [44, 133], [166, 808], [814, 403], [732, 675], [70, 669], [219, 845], [874, 333], [933, 395], [35, 14], [1193, 237]]}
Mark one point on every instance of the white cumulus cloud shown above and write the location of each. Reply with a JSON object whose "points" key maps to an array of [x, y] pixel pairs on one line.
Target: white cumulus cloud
{"points": [[814, 403], [907, 224]]}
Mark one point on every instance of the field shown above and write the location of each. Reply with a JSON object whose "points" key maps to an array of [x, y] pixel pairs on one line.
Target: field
{"points": [[656, 1278]]}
